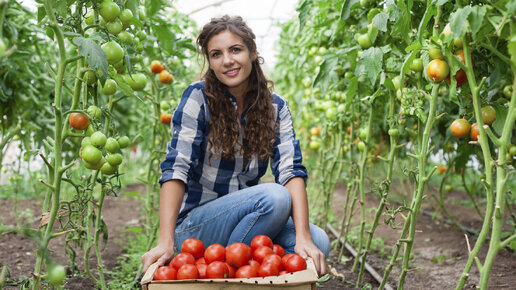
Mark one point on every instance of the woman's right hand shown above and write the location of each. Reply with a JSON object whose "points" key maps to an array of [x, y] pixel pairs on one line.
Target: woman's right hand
{"points": [[162, 253]]}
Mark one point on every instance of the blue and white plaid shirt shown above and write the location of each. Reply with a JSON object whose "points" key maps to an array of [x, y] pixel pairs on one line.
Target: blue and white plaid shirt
{"points": [[187, 158]]}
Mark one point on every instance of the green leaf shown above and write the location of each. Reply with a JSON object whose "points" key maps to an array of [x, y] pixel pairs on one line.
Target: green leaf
{"points": [[402, 24], [430, 11], [41, 13], [96, 57], [457, 20], [380, 21], [345, 10], [370, 63], [350, 93], [135, 230], [61, 7], [304, 10], [327, 72], [164, 36], [476, 19], [153, 7], [134, 193]]}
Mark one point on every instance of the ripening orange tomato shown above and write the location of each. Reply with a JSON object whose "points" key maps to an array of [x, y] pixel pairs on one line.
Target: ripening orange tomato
{"points": [[437, 70], [165, 77], [460, 128], [474, 132], [156, 67]]}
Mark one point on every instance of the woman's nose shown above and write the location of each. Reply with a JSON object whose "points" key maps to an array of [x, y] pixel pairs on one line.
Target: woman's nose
{"points": [[228, 60]]}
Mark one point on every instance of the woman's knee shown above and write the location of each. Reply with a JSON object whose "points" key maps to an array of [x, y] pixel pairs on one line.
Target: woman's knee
{"points": [[320, 239], [277, 196]]}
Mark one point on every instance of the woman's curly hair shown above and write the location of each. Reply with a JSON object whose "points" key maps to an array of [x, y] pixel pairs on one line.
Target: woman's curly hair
{"points": [[260, 119]]}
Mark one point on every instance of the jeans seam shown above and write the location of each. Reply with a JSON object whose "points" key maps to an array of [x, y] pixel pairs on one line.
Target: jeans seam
{"points": [[218, 215]]}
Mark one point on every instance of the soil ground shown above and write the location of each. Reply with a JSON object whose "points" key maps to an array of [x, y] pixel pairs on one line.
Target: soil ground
{"points": [[433, 238]]}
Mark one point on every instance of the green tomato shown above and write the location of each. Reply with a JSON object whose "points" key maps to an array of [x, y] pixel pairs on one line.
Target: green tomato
{"points": [[512, 150], [136, 81], [91, 154], [126, 16], [435, 52], [396, 82], [141, 35], [94, 112], [85, 141], [56, 275], [164, 106], [312, 51], [458, 42], [363, 133], [364, 41], [123, 141], [365, 3], [126, 37], [361, 146], [507, 91], [322, 50], [90, 77], [315, 144], [89, 17], [348, 75], [488, 115], [108, 169], [109, 87], [372, 13], [114, 51], [114, 27], [139, 47], [417, 65], [109, 10], [98, 139], [448, 188], [141, 14], [331, 113], [393, 132], [112, 145], [115, 159]]}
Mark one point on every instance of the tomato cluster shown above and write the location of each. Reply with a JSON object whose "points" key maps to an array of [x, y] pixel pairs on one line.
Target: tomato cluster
{"points": [[99, 152], [238, 260]]}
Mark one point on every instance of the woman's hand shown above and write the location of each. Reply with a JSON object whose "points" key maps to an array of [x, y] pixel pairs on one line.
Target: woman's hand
{"points": [[306, 248], [163, 253]]}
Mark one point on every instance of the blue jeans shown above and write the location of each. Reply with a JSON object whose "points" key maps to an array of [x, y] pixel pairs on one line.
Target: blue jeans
{"points": [[263, 209]]}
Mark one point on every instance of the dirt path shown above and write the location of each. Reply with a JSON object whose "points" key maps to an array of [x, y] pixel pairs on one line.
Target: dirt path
{"points": [[440, 251]]}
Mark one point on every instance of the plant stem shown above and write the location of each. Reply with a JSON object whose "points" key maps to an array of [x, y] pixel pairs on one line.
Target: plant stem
{"points": [[363, 160]]}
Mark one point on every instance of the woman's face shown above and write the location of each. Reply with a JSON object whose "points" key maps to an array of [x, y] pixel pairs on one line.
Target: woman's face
{"points": [[231, 61]]}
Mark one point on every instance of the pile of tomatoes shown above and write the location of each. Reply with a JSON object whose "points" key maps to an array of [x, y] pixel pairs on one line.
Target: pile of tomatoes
{"points": [[238, 260]]}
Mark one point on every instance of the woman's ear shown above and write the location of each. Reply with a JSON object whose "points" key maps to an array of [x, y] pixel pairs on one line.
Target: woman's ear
{"points": [[254, 56]]}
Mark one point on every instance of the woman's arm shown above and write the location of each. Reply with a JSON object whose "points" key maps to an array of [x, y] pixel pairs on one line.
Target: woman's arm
{"points": [[304, 243], [171, 197]]}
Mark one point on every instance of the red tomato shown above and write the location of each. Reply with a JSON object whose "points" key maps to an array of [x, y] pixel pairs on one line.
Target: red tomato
{"points": [[200, 261], [261, 252], [165, 273], [238, 254], [231, 270], [295, 263], [182, 259], [474, 132], [202, 270], [285, 258], [254, 264], [187, 271], [79, 121], [246, 271], [273, 259], [215, 252], [194, 247], [283, 272], [278, 250], [261, 240], [266, 270], [216, 270]]}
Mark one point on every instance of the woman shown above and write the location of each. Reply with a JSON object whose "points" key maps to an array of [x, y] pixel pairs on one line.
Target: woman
{"points": [[225, 130]]}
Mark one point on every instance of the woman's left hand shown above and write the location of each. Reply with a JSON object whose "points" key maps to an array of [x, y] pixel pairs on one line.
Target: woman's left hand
{"points": [[306, 248]]}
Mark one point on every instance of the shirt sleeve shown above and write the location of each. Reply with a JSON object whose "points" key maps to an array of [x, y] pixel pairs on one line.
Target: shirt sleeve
{"points": [[188, 125], [286, 155]]}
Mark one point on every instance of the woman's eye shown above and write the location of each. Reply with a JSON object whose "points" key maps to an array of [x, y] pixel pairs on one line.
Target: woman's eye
{"points": [[236, 49], [215, 54]]}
